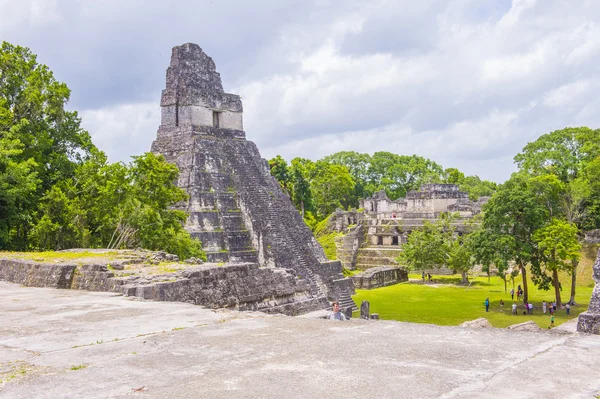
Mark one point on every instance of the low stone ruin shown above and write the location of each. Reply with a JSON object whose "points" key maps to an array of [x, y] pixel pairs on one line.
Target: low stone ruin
{"points": [[592, 237], [589, 322], [240, 286], [381, 276], [525, 326], [482, 322]]}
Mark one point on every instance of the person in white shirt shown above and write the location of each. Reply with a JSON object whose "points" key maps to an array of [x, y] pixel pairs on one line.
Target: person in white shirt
{"points": [[336, 314], [514, 308]]}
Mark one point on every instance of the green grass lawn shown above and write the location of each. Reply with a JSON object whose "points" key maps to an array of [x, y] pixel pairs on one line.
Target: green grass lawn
{"points": [[446, 303]]}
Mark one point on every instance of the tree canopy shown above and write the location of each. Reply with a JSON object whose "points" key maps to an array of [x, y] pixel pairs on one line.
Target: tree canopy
{"points": [[57, 190]]}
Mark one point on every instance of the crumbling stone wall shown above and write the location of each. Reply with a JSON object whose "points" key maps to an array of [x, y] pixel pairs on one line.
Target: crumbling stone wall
{"points": [[243, 286], [34, 274], [589, 322], [380, 277], [592, 237]]}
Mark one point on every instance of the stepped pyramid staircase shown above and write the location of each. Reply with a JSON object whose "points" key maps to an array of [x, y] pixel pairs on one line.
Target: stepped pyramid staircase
{"points": [[236, 208]]}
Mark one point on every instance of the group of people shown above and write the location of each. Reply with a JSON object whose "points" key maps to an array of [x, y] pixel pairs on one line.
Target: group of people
{"points": [[519, 293], [547, 307], [424, 275]]}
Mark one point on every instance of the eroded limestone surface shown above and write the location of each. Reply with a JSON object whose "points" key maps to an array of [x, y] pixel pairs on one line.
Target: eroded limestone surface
{"points": [[77, 344]]}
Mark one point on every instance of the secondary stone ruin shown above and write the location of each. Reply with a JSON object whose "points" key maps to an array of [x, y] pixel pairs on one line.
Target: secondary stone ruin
{"points": [[373, 237], [236, 208], [380, 276], [589, 322]]}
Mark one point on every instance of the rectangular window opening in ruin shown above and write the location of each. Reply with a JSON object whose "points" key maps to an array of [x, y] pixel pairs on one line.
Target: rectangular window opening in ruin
{"points": [[395, 240], [379, 240], [216, 119]]}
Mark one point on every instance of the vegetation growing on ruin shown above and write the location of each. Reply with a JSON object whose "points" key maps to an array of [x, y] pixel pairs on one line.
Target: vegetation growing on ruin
{"points": [[326, 238], [58, 191], [52, 256]]}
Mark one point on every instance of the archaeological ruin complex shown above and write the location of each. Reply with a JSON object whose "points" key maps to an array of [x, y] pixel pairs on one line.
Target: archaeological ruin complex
{"points": [[375, 235]]}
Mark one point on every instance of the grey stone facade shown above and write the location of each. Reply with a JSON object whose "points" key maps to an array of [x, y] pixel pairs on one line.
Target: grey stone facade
{"points": [[589, 322], [237, 209], [241, 286], [380, 276]]}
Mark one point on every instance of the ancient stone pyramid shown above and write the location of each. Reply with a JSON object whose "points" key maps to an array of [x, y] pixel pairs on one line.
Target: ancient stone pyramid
{"points": [[236, 208]]}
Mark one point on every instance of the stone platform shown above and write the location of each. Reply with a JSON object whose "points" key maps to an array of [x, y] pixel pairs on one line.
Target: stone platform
{"points": [[78, 344], [137, 273]]}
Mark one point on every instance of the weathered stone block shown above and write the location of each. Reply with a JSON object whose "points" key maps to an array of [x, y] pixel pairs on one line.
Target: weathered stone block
{"points": [[589, 322]]}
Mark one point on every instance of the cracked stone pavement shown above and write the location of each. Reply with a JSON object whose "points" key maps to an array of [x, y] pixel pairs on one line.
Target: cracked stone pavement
{"points": [[76, 344]]}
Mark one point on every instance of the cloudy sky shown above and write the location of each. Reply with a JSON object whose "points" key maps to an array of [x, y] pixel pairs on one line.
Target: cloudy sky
{"points": [[466, 83]]}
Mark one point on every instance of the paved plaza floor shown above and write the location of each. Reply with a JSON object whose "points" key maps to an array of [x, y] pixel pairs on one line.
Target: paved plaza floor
{"points": [[76, 344]]}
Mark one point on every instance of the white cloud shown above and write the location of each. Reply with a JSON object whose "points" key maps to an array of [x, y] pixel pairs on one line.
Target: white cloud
{"points": [[565, 94], [123, 130], [464, 82]]}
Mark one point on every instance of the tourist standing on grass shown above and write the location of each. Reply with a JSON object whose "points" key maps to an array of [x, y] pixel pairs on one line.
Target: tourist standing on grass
{"points": [[512, 294], [423, 276], [554, 306], [530, 308], [514, 308], [487, 304], [568, 308], [501, 303], [527, 307], [544, 307], [551, 321]]}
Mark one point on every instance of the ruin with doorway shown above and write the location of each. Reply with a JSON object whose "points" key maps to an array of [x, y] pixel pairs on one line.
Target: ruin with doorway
{"points": [[236, 208], [374, 236]]}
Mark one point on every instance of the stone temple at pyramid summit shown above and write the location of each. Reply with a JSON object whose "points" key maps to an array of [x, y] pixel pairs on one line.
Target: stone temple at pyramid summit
{"points": [[236, 208]]}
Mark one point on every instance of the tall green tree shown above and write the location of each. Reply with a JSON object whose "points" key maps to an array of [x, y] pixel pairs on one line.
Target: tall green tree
{"points": [[559, 247], [299, 179], [566, 154], [512, 216], [117, 206], [18, 184], [32, 109], [279, 170], [439, 244], [332, 187]]}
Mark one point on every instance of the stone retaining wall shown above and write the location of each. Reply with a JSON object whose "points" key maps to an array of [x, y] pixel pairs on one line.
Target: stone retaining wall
{"points": [[380, 277], [589, 322], [243, 286]]}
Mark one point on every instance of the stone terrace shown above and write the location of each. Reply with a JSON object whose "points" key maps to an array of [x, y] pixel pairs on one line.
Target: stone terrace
{"points": [[76, 344]]}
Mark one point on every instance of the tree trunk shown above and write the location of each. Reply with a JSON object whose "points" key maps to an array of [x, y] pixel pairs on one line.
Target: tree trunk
{"points": [[463, 274], [524, 274], [573, 282], [556, 287], [505, 284]]}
